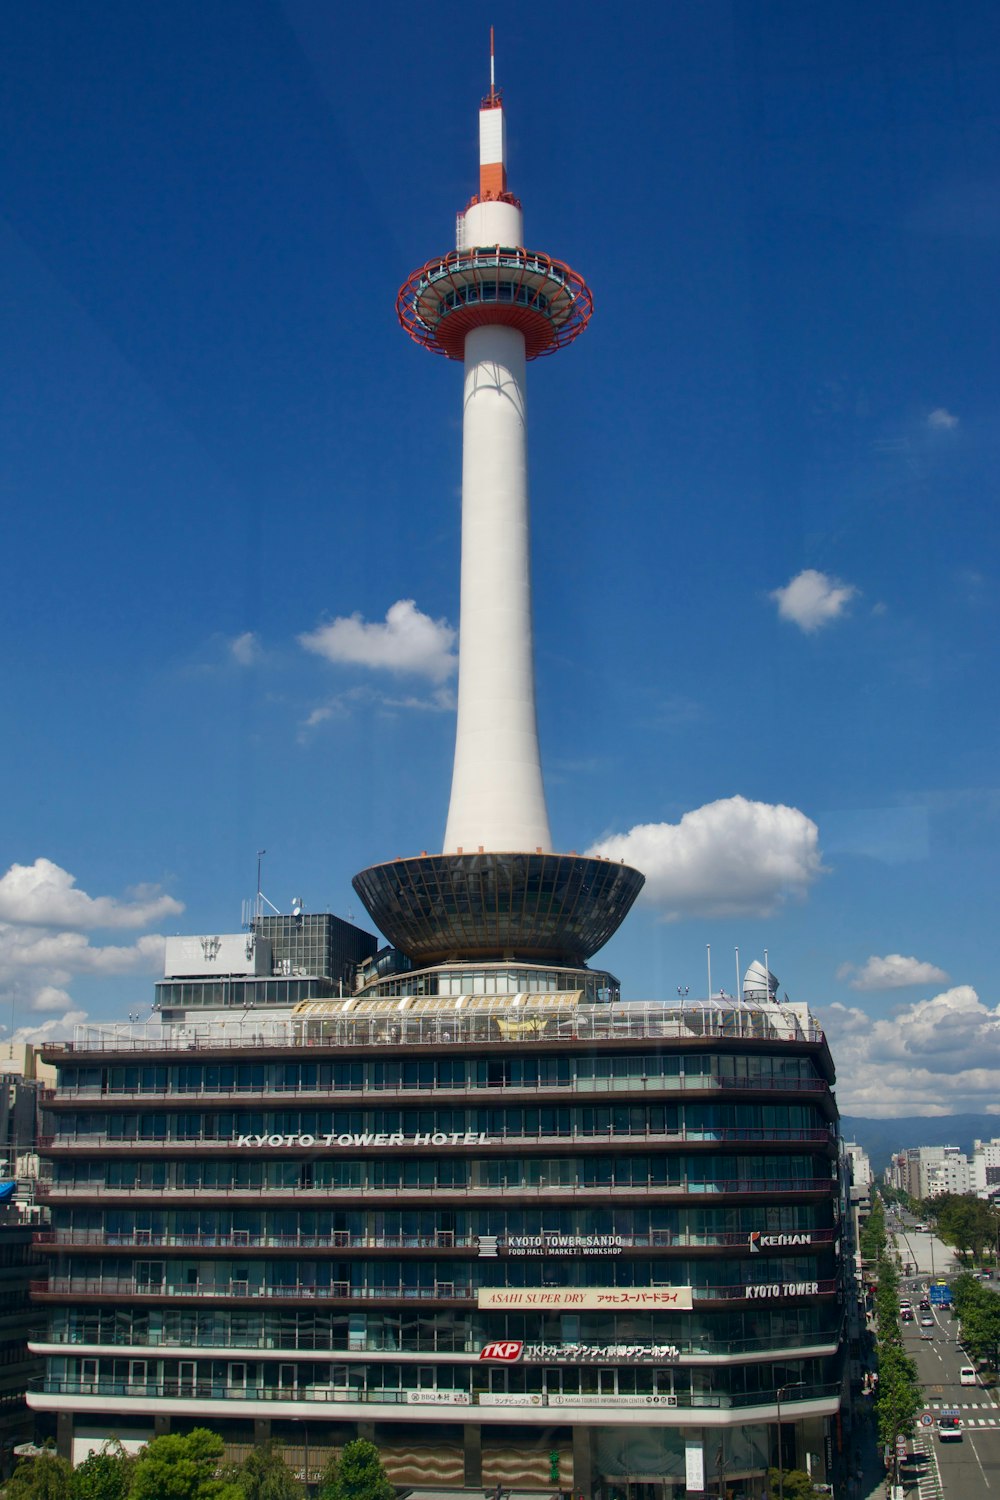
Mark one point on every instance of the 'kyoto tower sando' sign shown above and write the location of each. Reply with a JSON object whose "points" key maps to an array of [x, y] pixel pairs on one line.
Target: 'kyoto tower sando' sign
{"points": [[497, 890]]}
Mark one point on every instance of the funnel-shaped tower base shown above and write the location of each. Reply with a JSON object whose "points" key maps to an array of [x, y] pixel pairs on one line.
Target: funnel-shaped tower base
{"points": [[542, 908]]}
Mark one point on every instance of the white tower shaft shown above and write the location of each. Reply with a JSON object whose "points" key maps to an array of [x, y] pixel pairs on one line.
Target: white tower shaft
{"points": [[497, 797]]}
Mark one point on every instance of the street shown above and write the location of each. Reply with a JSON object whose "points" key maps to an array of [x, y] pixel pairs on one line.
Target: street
{"points": [[970, 1469]]}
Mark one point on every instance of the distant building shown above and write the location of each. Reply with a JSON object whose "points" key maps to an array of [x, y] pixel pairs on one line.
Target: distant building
{"points": [[927, 1171]]}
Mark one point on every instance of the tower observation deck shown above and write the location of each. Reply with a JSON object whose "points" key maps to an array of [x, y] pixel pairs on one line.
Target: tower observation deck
{"points": [[497, 889]]}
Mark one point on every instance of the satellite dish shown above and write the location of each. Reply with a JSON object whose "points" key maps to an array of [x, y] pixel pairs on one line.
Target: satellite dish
{"points": [[296, 906]]}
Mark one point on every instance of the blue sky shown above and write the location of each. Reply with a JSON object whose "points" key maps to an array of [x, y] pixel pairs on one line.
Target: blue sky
{"points": [[764, 486]]}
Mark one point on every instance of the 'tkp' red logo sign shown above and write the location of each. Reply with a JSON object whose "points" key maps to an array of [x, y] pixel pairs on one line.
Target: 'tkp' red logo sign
{"points": [[507, 1353]]}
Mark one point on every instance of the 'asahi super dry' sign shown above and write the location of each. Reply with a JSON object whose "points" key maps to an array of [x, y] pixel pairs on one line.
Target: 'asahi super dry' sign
{"points": [[589, 1298]]}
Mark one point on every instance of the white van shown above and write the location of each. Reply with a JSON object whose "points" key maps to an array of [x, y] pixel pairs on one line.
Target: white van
{"points": [[967, 1375]]}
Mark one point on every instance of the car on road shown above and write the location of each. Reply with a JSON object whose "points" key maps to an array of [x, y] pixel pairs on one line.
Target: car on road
{"points": [[927, 1321], [924, 1304], [949, 1427], [967, 1375], [906, 1314]]}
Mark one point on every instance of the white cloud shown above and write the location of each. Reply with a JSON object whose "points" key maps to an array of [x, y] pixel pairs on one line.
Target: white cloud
{"points": [[43, 946], [68, 953], [893, 972], [733, 857], [58, 1029], [246, 649], [45, 895], [935, 1057], [812, 599], [408, 642], [942, 420], [51, 998]]}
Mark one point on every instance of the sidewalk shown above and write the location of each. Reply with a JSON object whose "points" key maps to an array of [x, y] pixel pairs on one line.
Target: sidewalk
{"points": [[866, 1481]]}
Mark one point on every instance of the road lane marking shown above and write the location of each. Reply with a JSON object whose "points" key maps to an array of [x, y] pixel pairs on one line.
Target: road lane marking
{"points": [[980, 1463]]}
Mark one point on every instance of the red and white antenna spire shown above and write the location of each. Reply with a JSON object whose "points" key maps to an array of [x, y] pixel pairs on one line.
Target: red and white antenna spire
{"points": [[492, 140]]}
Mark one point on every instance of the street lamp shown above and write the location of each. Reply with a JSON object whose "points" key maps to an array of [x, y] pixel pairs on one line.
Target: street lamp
{"points": [[795, 1385]]}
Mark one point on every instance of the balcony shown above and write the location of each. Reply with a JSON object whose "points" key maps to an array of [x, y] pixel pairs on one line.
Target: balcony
{"points": [[432, 1194], [146, 1391], [473, 1092], [103, 1288], [459, 1244], [500, 1140]]}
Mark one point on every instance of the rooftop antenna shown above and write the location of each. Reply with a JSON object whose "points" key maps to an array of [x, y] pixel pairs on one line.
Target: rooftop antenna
{"points": [[258, 907], [493, 92]]}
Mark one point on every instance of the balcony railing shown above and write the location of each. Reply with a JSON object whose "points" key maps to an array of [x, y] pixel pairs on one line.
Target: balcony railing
{"points": [[432, 1192], [126, 1286], [339, 1239], [810, 1345], [753, 1135], [210, 1390], [636, 1083]]}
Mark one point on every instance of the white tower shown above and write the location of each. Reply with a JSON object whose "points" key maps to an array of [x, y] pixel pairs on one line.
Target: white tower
{"points": [[497, 892], [495, 305]]}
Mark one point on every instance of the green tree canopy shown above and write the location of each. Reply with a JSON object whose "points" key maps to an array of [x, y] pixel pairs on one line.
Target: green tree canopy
{"points": [[357, 1475], [46, 1477], [103, 1476], [264, 1475], [981, 1327], [796, 1482], [174, 1467], [965, 1221]]}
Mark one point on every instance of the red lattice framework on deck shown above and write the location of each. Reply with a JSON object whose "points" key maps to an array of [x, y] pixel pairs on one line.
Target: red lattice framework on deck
{"points": [[542, 298]]}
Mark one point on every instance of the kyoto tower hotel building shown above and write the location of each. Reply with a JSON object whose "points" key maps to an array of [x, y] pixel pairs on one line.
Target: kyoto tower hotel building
{"points": [[470, 1204]]}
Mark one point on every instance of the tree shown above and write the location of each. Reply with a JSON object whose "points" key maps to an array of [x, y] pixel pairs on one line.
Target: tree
{"points": [[899, 1400], [173, 1467], [357, 1475], [981, 1327], [264, 1475], [103, 1476], [46, 1477], [796, 1482]]}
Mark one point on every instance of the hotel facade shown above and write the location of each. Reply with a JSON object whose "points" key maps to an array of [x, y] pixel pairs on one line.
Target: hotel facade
{"points": [[514, 1237]]}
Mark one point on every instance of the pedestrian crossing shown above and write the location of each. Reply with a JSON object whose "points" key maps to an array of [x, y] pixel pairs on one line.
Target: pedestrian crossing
{"points": [[929, 1485], [970, 1406]]}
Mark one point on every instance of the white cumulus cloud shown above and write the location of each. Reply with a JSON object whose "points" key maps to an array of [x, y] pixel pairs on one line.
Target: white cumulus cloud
{"points": [[408, 642], [935, 1057], [45, 895], [893, 972], [733, 857], [812, 599], [941, 419], [246, 649], [58, 1029], [45, 942]]}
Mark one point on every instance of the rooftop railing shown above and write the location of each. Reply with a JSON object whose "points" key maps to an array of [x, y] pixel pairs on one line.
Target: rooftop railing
{"points": [[515, 1026]]}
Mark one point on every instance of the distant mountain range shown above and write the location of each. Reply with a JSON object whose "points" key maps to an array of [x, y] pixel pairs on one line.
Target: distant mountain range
{"points": [[882, 1138]]}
